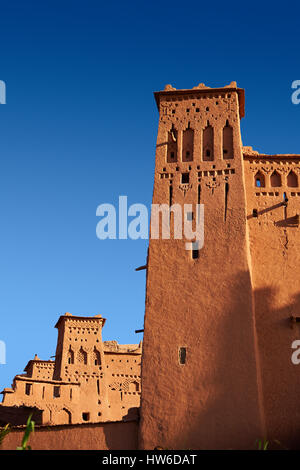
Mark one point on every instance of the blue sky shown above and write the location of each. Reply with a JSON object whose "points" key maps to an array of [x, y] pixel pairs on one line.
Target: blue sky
{"points": [[79, 129]]}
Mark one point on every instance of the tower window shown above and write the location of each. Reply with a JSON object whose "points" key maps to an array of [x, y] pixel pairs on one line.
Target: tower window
{"points": [[259, 180], [195, 254], [255, 213], [56, 392], [185, 178], [182, 356], [208, 143], [28, 389], [86, 416], [292, 180], [275, 179], [227, 141], [187, 144]]}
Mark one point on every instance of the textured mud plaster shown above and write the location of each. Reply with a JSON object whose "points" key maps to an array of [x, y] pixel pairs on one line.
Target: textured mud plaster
{"points": [[90, 380], [229, 306]]}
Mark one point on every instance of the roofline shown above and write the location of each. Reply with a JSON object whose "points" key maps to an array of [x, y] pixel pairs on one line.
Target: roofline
{"points": [[136, 352], [76, 317], [203, 91], [52, 381], [37, 360], [263, 156]]}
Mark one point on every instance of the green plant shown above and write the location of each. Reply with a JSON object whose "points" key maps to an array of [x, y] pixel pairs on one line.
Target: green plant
{"points": [[4, 433], [29, 429], [262, 444]]}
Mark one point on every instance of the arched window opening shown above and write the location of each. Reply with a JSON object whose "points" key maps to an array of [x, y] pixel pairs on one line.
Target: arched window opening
{"points": [[172, 145], [96, 357], [208, 143], [70, 356], [292, 179], [275, 179], [133, 387], [259, 180], [227, 142], [82, 356], [187, 145]]}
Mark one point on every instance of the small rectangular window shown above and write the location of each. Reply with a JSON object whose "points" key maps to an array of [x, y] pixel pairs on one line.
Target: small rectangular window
{"points": [[28, 389], [182, 355], [86, 416], [56, 391], [185, 178]]}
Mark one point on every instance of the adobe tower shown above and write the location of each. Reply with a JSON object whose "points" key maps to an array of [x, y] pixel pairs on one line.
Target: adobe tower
{"points": [[90, 380], [200, 367]]}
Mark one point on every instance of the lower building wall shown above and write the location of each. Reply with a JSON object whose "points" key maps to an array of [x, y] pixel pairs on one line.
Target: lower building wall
{"points": [[100, 436]]}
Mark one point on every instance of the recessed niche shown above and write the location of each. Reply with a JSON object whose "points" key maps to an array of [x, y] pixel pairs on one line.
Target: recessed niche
{"points": [[185, 178], [182, 355]]}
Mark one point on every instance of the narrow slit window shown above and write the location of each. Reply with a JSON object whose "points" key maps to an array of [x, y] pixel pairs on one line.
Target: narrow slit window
{"points": [[170, 195], [199, 193], [182, 356]]}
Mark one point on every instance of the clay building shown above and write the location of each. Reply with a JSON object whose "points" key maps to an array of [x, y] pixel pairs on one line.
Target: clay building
{"points": [[89, 381], [221, 319]]}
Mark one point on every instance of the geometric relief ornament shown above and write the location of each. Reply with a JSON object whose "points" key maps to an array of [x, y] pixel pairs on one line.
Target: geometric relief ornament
{"points": [[212, 185], [185, 187]]}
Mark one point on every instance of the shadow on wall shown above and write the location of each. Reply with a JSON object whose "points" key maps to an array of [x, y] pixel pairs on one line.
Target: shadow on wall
{"points": [[18, 415], [122, 435], [227, 413], [115, 435], [280, 377]]}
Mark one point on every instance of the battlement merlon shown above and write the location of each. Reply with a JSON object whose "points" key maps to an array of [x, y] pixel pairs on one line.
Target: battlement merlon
{"points": [[201, 89]]}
